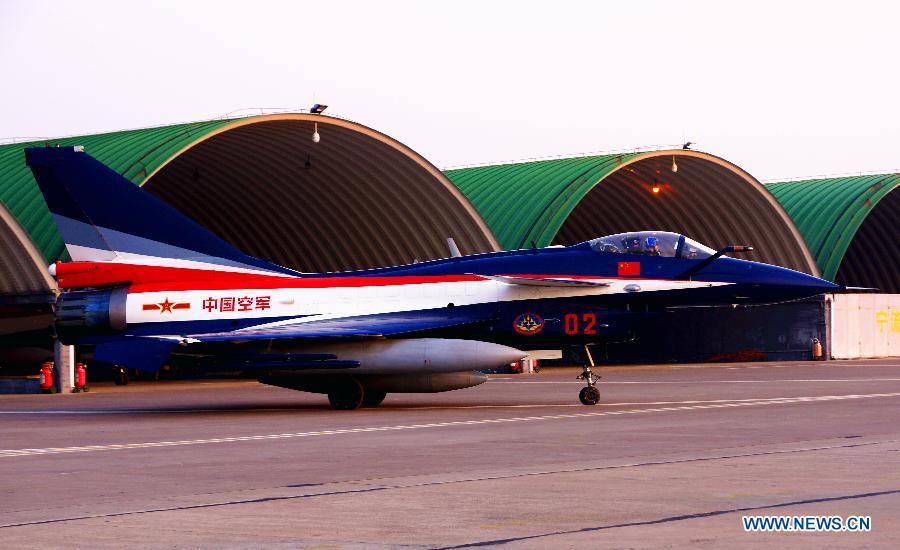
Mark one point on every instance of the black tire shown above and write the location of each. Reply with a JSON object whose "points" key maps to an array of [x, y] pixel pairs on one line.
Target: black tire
{"points": [[373, 398], [347, 395], [589, 395]]}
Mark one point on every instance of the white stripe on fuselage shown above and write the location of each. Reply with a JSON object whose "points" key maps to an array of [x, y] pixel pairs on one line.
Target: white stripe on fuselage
{"points": [[129, 258], [316, 304]]}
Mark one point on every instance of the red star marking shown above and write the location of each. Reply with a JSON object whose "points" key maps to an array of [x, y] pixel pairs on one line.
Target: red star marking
{"points": [[166, 306]]}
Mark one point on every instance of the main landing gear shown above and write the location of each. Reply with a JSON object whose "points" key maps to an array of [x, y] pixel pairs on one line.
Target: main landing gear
{"points": [[373, 398], [350, 394], [347, 395], [590, 394]]}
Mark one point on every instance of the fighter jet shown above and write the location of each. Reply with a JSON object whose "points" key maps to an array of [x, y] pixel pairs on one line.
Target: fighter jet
{"points": [[147, 286]]}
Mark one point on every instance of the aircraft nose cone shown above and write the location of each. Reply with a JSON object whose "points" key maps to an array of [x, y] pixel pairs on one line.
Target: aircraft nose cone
{"points": [[794, 284], [813, 283], [826, 286]]}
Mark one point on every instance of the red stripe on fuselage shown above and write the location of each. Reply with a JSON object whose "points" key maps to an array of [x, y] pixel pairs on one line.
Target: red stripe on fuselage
{"points": [[148, 278], [231, 283], [93, 274]]}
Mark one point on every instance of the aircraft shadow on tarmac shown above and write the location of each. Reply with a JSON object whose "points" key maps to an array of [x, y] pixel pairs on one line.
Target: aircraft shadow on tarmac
{"points": [[262, 408]]}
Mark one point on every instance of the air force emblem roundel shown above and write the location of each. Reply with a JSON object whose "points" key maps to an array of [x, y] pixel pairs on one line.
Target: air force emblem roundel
{"points": [[528, 324]]}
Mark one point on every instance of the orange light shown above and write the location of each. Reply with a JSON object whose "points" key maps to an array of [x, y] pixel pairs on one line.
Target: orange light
{"points": [[655, 189]]}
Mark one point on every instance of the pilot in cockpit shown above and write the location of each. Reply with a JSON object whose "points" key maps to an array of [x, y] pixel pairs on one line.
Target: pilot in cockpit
{"points": [[651, 247], [632, 244], [663, 244]]}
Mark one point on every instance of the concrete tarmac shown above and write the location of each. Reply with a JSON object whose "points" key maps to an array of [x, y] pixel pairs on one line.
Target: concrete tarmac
{"points": [[673, 456]]}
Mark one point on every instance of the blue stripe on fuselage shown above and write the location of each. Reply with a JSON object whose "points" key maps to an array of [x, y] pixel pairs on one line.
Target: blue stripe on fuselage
{"points": [[200, 326]]}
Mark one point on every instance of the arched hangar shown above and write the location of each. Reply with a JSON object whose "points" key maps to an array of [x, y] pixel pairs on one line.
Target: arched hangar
{"points": [[22, 269], [356, 199], [850, 225], [564, 201], [359, 198], [26, 288]]}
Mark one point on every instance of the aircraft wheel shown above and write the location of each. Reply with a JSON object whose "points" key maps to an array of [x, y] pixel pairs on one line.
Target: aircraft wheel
{"points": [[373, 398], [347, 396], [589, 395]]}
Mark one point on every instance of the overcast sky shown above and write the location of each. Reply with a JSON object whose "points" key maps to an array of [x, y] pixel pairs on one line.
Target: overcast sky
{"points": [[783, 89]]}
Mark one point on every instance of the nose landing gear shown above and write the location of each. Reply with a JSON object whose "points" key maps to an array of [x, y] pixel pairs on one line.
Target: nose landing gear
{"points": [[590, 394]]}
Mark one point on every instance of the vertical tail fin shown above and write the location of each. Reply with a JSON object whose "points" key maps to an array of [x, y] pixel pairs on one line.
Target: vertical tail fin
{"points": [[104, 217]]}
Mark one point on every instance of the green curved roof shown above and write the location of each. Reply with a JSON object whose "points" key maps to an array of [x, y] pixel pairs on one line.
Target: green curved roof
{"points": [[828, 212], [522, 203], [133, 153], [528, 202]]}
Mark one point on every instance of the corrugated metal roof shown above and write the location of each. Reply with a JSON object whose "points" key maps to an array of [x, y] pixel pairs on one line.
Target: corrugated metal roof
{"points": [[358, 199], [829, 212], [529, 201], [22, 270], [134, 153], [522, 202]]}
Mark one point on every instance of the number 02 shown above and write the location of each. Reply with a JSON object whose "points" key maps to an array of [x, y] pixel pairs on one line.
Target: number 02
{"points": [[570, 323]]}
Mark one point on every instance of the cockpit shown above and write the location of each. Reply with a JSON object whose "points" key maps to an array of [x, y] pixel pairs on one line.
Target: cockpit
{"points": [[652, 243]]}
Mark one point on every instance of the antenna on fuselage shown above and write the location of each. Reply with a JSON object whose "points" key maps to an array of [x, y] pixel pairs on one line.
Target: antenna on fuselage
{"points": [[454, 250]]}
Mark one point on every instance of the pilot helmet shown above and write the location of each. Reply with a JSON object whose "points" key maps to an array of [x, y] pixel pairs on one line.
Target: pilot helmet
{"points": [[652, 241]]}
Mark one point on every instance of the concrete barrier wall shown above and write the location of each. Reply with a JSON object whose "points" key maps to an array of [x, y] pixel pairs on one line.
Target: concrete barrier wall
{"points": [[865, 325]]}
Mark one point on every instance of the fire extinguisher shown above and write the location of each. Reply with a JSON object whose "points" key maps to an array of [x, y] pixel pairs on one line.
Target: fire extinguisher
{"points": [[81, 378], [817, 350], [47, 378]]}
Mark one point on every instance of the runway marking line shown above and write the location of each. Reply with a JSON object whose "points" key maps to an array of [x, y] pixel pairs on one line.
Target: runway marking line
{"points": [[101, 412], [11, 453]]}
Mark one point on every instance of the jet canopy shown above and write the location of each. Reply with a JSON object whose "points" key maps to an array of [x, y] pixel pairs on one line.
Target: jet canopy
{"points": [[652, 243]]}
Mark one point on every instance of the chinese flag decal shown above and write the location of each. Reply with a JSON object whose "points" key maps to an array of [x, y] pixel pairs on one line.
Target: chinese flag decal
{"points": [[629, 269]]}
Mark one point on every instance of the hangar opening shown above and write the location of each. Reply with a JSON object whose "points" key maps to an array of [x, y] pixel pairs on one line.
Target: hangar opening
{"points": [[849, 224], [708, 199], [873, 257], [26, 296], [23, 272], [354, 200]]}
